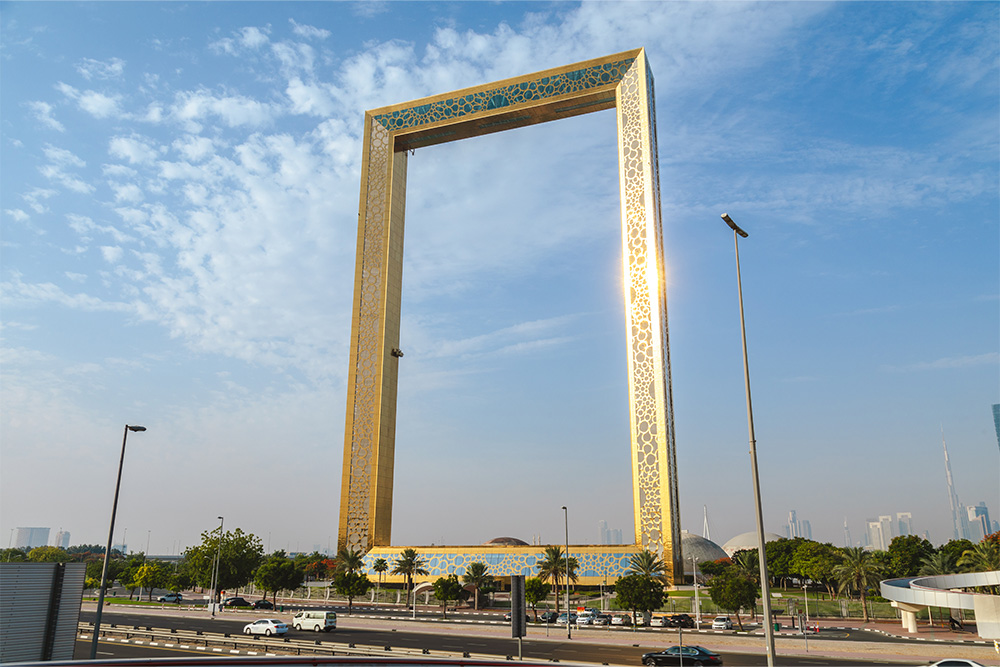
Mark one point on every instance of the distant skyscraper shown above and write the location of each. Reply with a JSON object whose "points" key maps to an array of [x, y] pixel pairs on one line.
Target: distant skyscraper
{"points": [[874, 534], [806, 529], [888, 529], [706, 531], [996, 422], [847, 534], [609, 535], [978, 522], [904, 523], [792, 527], [29, 538], [62, 539], [957, 520]]}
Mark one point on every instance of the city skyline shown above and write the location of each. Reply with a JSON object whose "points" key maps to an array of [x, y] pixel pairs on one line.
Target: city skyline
{"points": [[179, 214]]}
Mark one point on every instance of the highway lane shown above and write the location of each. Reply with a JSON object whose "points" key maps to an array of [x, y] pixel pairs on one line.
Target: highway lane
{"points": [[584, 648]]}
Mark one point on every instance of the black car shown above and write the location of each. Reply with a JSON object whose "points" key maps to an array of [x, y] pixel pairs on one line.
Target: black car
{"points": [[235, 602], [680, 621], [527, 617], [262, 604], [548, 617], [691, 655]]}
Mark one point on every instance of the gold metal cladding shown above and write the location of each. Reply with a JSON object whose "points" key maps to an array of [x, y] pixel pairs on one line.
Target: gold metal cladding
{"points": [[621, 81]]}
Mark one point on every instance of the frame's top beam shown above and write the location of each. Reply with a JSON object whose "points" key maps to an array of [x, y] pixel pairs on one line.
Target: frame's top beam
{"points": [[561, 92]]}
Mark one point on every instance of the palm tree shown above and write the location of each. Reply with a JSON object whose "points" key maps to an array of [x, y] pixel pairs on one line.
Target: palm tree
{"points": [[747, 562], [983, 557], [858, 570], [553, 566], [939, 562], [349, 560], [410, 564], [648, 564], [379, 567], [477, 574]]}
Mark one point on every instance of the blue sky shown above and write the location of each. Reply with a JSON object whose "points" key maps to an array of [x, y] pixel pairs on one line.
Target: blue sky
{"points": [[179, 193]]}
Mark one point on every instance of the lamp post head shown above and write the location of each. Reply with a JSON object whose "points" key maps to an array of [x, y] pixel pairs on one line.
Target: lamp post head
{"points": [[733, 225], [135, 428]]}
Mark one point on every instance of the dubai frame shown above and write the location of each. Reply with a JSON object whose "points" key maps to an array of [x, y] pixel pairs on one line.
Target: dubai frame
{"points": [[621, 81]]}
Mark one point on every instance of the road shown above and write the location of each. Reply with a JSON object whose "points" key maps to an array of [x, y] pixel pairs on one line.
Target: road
{"points": [[591, 645]]}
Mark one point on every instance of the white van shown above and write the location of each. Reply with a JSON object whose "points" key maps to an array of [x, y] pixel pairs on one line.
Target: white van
{"points": [[315, 620]]}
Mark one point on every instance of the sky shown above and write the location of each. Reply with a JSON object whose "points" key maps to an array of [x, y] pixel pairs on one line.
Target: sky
{"points": [[179, 191]]}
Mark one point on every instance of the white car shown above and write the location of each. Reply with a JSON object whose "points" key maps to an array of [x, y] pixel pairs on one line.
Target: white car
{"points": [[266, 627], [722, 623], [171, 597]]}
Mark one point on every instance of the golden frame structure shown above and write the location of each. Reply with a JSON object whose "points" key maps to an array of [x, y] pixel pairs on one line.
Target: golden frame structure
{"points": [[622, 81]]}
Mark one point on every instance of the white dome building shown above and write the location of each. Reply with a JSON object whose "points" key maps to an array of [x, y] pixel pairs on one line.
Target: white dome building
{"points": [[747, 541]]}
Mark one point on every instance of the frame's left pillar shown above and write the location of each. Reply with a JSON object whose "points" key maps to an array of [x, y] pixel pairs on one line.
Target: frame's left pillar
{"points": [[369, 436]]}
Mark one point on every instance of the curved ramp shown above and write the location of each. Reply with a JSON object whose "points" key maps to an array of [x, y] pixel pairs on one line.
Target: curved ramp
{"points": [[911, 594]]}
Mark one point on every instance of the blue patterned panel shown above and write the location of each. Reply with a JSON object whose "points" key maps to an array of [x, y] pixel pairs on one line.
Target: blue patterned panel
{"points": [[611, 563], [498, 98]]}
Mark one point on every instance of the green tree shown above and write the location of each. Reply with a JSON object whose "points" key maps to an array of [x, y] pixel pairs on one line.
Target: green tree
{"points": [[815, 561], [649, 564], [906, 555], [409, 564], [956, 548], [638, 592], [553, 566], [859, 571], [780, 557], [535, 590], [48, 555], [241, 554], [13, 556], [351, 585], [716, 567], [152, 575], [278, 573], [349, 560], [446, 589], [733, 591], [477, 574]]}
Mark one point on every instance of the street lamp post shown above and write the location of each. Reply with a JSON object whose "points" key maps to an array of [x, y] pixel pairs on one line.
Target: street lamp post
{"points": [[697, 602], [764, 587], [107, 551], [215, 570], [569, 629]]}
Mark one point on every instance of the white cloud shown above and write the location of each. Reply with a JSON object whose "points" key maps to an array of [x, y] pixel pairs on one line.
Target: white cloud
{"points": [[194, 148], [86, 228], [36, 196], [17, 214], [311, 99], [950, 363], [127, 192], [247, 38], [308, 31], [136, 149], [111, 254], [16, 292], [62, 157], [97, 69], [43, 113], [192, 108], [99, 105], [96, 104]]}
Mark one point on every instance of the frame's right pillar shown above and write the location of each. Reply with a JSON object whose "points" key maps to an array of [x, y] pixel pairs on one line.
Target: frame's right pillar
{"points": [[654, 462]]}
